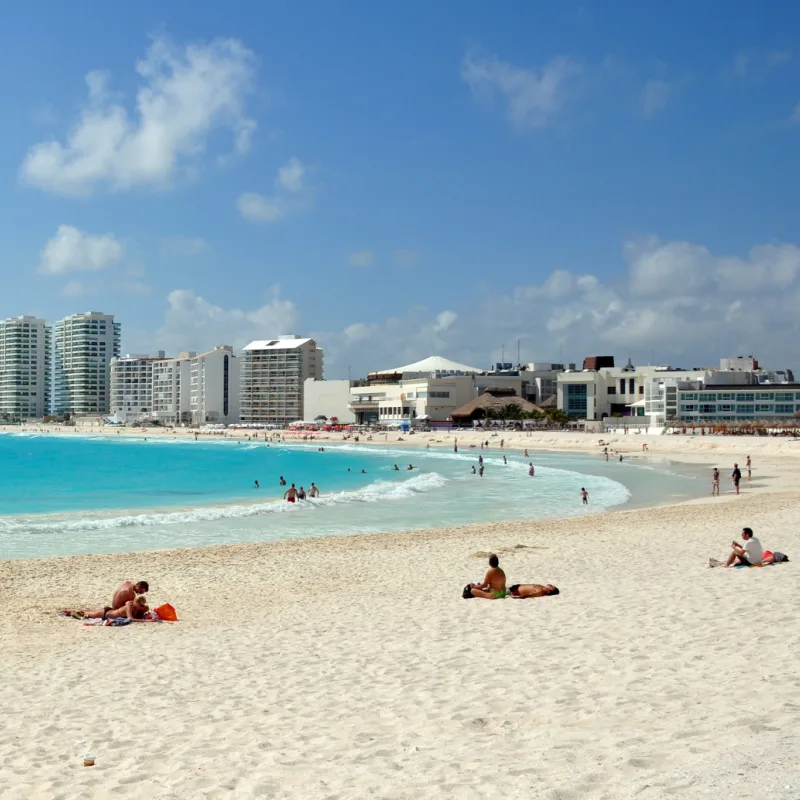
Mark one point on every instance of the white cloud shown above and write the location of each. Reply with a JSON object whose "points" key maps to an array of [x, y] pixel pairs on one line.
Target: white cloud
{"points": [[292, 195], [257, 208], [291, 175], [655, 98], [534, 97], [445, 320], [186, 94], [71, 250], [407, 258], [193, 323], [361, 258], [184, 246]]}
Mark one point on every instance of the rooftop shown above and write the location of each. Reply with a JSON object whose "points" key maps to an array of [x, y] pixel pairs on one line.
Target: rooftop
{"points": [[276, 344], [431, 364]]}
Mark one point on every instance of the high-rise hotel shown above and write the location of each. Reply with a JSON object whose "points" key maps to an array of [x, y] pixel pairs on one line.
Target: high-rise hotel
{"points": [[273, 378], [24, 368], [83, 346]]}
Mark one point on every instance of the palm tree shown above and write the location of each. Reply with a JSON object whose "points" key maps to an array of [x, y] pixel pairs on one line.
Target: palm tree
{"points": [[557, 416]]}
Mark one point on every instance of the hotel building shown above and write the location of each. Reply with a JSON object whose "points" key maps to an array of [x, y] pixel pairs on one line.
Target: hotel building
{"points": [[132, 388], [273, 378], [24, 368], [171, 395], [83, 346], [214, 381]]}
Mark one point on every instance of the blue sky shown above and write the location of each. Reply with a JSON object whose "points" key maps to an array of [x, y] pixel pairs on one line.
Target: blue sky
{"points": [[405, 180]]}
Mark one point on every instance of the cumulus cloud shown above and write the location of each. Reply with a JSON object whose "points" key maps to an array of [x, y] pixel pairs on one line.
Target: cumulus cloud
{"points": [[361, 258], [533, 97], [71, 250], [193, 323], [292, 195], [186, 95]]}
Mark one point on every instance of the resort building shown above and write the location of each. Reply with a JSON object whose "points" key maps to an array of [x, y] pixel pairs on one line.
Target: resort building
{"points": [[429, 391], [274, 372], [214, 387], [737, 390], [329, 399], [171, 395], [132, 388], [24, 368], [83, 346]]}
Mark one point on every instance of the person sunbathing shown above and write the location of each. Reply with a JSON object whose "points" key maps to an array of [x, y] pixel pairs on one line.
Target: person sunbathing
{"points": [[523, 590], [494, 583], [133, 609]]}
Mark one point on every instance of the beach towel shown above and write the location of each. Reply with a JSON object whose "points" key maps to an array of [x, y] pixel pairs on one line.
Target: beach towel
{"points": [[108, 623]]}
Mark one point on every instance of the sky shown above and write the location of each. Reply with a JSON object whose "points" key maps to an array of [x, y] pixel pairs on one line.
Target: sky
{"points": [[464, 179]]}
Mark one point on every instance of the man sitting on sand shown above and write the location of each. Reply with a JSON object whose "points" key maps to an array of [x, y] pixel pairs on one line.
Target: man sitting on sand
{"points": [[494, 584], [523, 590], [748, 555], [128, 591]]}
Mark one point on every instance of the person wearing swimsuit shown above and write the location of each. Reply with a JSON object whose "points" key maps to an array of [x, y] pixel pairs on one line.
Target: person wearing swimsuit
{"points": [[133, 609], [494, 584]]}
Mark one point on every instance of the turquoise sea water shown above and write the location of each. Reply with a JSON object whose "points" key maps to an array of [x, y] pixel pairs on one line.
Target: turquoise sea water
{"points": [[64, 495]]}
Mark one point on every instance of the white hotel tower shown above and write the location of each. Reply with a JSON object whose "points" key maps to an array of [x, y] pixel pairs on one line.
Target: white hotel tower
{"points": [[273, 378], [83, 346], [24, 368]]}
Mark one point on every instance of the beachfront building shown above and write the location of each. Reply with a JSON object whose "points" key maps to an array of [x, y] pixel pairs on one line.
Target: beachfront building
{"points": [[602, 390], [273, 376], [427, 391], [24, 368], [214, 387], [83, 346], [132, 388], [329, 399], [171, 382], [716, 397]]}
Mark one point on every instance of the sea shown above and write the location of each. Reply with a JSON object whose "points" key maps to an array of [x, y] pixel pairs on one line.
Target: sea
{"points": [[75, 494]]}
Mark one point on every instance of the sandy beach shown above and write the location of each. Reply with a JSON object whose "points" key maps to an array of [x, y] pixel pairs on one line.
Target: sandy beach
{"points": [[351, 666]]}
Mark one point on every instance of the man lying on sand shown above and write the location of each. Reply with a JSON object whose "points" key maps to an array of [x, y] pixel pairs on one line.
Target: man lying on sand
{"points": [[128, 590], [133, 609], [523, 590]]}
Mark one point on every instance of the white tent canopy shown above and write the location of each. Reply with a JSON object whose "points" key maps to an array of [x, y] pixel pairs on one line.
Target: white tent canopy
{"points": [[433, 364]]}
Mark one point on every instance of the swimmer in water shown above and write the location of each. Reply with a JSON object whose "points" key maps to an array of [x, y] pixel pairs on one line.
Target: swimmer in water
{"points": [[290, 495], [396, 468], [283, 481], [531, 470], [301, 495], [256, 485], [410, 466], [313, 491], [473, 469]]}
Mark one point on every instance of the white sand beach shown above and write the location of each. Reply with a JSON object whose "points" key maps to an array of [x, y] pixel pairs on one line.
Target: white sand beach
{"points": [[351, 667]]}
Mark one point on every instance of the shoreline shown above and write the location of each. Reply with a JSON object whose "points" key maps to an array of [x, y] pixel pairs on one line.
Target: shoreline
{"points": [[344, 666]]}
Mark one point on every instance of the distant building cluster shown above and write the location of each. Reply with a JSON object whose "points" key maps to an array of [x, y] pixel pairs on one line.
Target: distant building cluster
{"points": [[74, 368]]}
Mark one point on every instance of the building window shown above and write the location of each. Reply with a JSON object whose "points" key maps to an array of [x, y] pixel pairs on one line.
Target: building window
{"points": [[782, 408], [611, 390], [631, 386], [622, 385], [439, 394], [744, 409]]}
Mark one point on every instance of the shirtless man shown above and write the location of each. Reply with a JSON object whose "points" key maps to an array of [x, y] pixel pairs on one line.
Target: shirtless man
{"points": [[523, 590], [290, 495], [494, 584], [313, 491], [128, 591]]}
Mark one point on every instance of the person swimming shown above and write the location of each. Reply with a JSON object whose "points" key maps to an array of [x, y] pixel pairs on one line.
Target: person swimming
{"points": [[255, 485], [301, 494], [396, 468], [283, 481]]}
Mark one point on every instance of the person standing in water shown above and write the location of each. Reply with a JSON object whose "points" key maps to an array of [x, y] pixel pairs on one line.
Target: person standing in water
{"points": [[531, 470], [584, 496], [290, 495], [480, 471], [282, 481], [256, 486], [313, 491]]}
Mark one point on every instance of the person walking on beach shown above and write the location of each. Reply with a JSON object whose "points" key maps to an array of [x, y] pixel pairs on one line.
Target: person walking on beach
{"points": [[494, 583], [290, 495], [749, 464], [715, 482], [526, 453], [737, 477], [584, 496], [313, 491]]}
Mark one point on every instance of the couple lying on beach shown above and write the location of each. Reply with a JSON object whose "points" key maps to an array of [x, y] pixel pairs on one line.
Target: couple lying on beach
{"points": [[494, 586], [128, 602]]}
